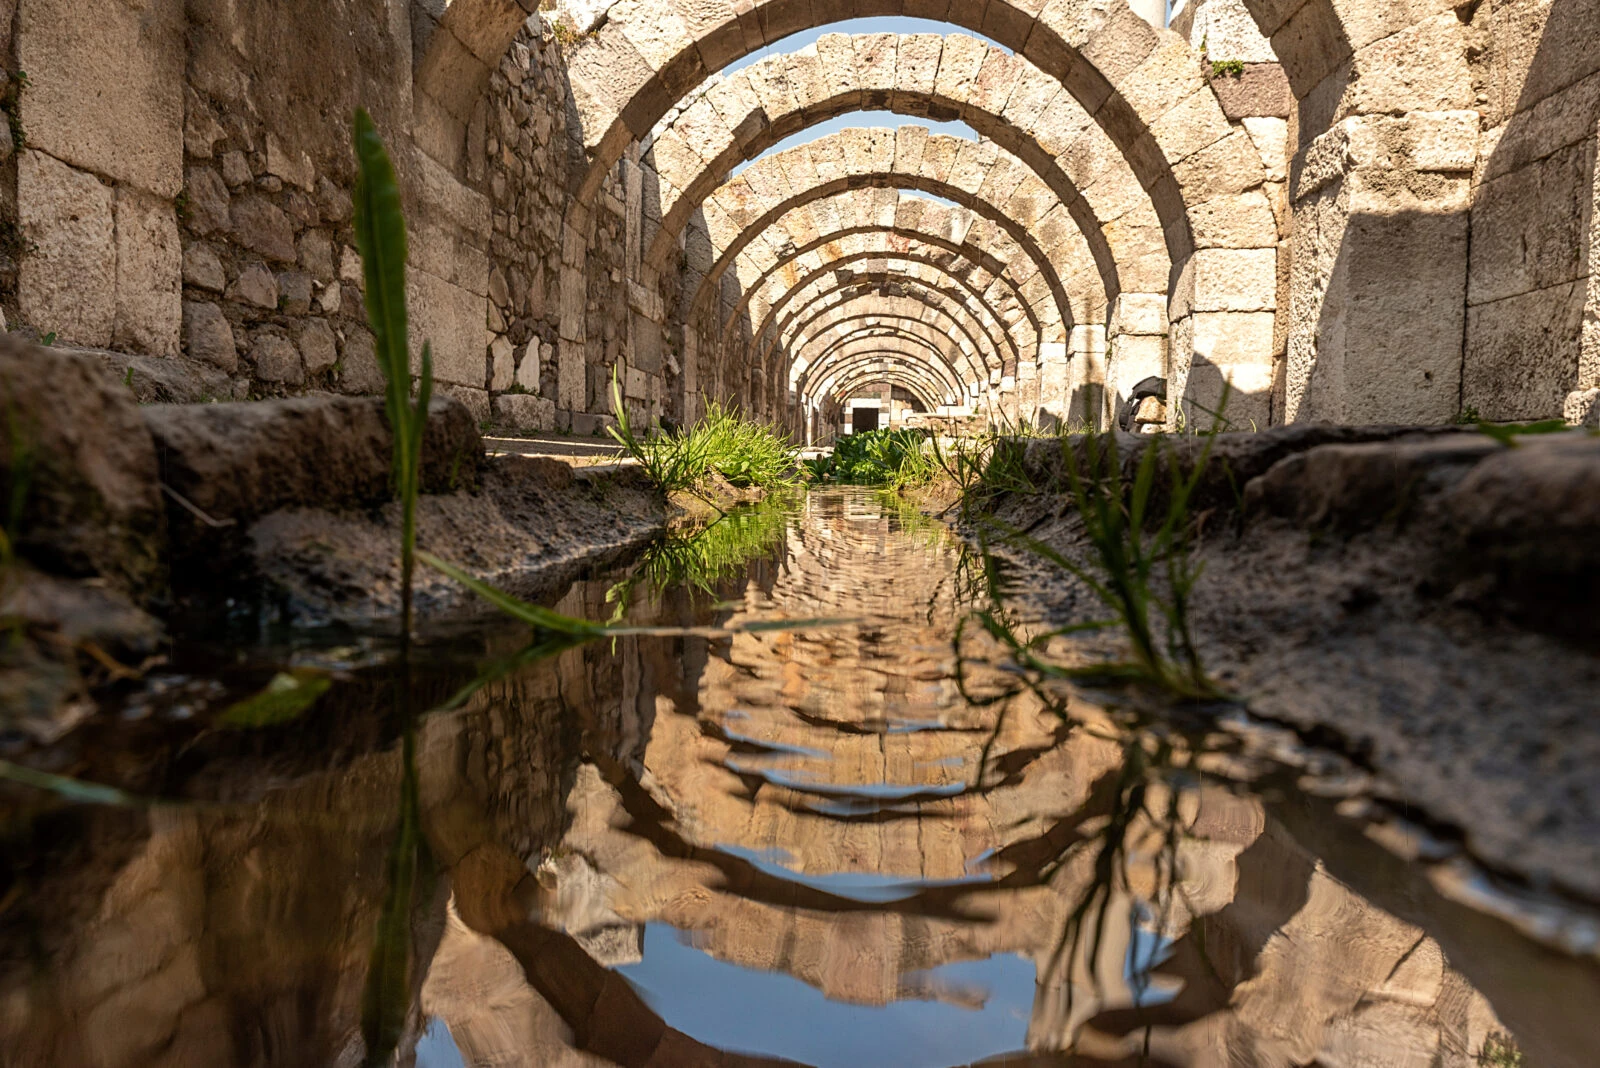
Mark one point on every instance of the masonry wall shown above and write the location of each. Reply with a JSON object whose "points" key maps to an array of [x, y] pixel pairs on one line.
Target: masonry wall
{"points": [[1533, 295], [182, 190]]}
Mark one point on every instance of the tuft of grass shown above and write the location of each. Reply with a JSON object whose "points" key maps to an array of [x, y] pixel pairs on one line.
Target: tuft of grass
{"points": [[878, 458], [1500, 1050], [723, 443], [1227, 68], [381, 239]]}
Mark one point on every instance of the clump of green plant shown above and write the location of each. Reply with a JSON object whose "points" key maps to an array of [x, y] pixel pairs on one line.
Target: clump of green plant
{"points": [[723, 443], [878, 458], [1500, 1050], [1227, 68], [1139, 563], [381, 239]]}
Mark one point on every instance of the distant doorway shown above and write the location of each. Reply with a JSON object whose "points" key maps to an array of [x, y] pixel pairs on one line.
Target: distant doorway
{"points": [[863, 419]]}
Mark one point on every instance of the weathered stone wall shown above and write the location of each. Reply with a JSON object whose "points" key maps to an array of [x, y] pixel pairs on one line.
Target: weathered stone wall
{"points": [[1531, 340], [1353, 210], [184, 192]]}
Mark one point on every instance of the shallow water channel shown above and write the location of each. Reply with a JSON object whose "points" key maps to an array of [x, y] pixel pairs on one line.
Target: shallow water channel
{"points": [[822, 844]]}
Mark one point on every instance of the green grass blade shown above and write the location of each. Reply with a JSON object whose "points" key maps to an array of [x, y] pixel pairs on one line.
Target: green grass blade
{"points": [[532, 614]]}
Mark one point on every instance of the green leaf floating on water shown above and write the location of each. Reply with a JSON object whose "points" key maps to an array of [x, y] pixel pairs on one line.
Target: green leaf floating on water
{"points": [[287, 697]]}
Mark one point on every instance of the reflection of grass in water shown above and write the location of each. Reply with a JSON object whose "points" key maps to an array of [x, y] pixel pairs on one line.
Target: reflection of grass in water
{"points": [[700, 558]]}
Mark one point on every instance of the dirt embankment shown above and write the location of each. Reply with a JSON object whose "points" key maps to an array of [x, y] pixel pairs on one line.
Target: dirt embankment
{"points": [[123, 519], [1423, 599]]}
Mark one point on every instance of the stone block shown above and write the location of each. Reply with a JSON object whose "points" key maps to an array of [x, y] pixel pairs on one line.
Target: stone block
{"points": [[1522, 353], [1262, 90], [261, 226], [570, 373], [107, 87], [210, 338], [521, 411], [502, 364], [1529, 228], [476, 401], [293, 167], [276, 360], [319, 347], [452, 319], [256, 287], [1227, 279], [358, 365], [95, 506], [1139, 313], [67, 284], [243, 461], [316, 255], [203, 269], [294, 293], [206, 201]]}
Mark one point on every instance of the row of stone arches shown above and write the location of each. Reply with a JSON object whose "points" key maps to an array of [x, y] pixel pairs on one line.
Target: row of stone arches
{"points": [[1181, 240]]}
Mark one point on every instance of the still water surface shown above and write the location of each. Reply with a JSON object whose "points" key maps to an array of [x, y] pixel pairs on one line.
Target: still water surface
{"points": [[821, 845]]}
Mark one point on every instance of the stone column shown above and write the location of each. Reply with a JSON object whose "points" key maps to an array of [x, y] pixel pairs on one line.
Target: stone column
{"points": [[1136, 347], [1583, 403], [1378, 282]]}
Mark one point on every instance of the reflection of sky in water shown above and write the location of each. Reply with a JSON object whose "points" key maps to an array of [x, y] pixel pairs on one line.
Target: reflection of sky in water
{"points": [[437, 1049], [868, 887], [777, 1015]]}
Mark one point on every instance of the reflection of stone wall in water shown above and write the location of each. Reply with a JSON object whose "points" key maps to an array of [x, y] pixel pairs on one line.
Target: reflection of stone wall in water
{"points": [[240, 933], [1274, 961]]}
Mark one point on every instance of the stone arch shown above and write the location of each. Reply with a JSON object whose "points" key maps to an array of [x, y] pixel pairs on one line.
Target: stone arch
{"points": [[819, 346], [906, 269], [822, 233], [922, 302], [745, 207], [1003, 302], [1147, 90], [842, 319], [732, 119], [871, 367], [866, 345]]}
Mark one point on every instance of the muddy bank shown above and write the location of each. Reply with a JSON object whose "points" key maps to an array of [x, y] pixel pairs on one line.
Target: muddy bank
{"points": [[1421, 600], [127, 523]]}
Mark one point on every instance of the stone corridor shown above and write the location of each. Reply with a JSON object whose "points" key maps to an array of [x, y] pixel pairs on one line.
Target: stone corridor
{"points": [[1355, 211]]}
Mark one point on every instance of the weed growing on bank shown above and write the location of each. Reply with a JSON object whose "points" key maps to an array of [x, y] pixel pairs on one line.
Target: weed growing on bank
{"points": [[722, 444], [877, 458], [381, 239]]}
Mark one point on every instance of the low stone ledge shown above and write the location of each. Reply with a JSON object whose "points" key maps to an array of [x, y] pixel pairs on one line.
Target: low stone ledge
{"points": [[81, 460], [232, 463]]}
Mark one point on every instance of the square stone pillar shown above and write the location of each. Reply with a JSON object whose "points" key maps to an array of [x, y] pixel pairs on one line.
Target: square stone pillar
{"points": [[1378, 279]]}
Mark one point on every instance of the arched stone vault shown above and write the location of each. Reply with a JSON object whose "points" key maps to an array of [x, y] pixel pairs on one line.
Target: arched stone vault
{"points": [[1146, 90], [732, 119], [907, 298], [809, 238], [953, 168], [870, 366], [911, 352], [879, 271], [816, 347], [847, 381], [1009, 308], [843, 320]]}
